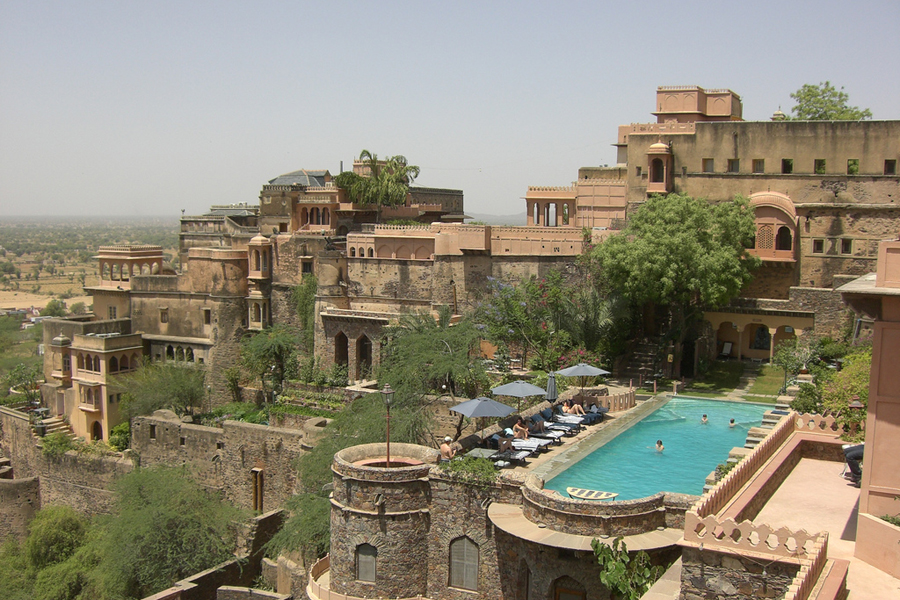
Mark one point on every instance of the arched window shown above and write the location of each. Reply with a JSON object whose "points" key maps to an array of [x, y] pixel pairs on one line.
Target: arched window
{"points": [[255, 255], [366, 555], [265, 260], [179, 354], [189, 355], [81, 362], [362, 252], [783, 240], [123, 364], [113, 365], [352, 252], [97, 364], [371, 253], [170, 353], [657, 172], [464, 564], [66, 363]]}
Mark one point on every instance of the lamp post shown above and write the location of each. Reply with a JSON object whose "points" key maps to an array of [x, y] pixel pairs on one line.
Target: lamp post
{"points": [[388, 395]]}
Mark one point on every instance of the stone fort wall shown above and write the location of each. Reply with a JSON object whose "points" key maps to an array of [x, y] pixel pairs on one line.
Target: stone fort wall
{"points": [[225, 458]]}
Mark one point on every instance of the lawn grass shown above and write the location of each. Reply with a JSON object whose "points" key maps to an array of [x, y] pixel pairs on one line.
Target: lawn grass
{"points": [[768, 381], [723, 376]]}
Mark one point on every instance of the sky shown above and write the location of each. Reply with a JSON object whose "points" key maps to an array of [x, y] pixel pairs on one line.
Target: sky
{"points": [[149, 108]]}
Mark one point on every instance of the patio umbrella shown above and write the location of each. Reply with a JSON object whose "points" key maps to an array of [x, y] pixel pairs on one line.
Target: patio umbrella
{"points": [[483, 407], [582, 370], [518, 389], [552, 394]]}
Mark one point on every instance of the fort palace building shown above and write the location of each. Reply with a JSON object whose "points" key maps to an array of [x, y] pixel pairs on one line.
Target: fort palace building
{"points": [[825, 193]]}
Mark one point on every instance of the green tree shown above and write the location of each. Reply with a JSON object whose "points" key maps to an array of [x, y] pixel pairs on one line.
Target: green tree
{"points": [[824, 102], [165, 527], [270, 355], [162, 385], [387, 183], [627, 577], [683, 254], [421, 354], [304, 297], [840, 389], [54, 535], [78, 308], [25, 379], [54, 308]]}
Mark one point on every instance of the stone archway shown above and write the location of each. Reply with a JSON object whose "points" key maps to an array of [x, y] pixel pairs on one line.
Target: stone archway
{"points": [[363, 357], [97, 431], [341, 349]]}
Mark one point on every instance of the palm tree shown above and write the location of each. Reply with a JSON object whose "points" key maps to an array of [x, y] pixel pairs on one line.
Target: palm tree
{"points": [[388, 182]]}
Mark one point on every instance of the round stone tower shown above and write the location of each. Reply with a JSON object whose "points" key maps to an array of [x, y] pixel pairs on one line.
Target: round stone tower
{"points": [[380, 521]]}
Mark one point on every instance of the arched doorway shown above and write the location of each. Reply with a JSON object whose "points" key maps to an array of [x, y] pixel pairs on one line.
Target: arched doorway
{"points": [[341, 349], [97, 431], [363, 357]]}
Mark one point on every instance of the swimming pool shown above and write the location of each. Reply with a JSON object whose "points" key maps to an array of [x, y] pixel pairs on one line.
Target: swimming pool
{"points": [[630, 465]]}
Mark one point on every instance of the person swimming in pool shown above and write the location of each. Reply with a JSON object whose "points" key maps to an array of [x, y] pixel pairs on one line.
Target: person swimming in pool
{"points": [[704, 420], [659, 446], [731, 423]]}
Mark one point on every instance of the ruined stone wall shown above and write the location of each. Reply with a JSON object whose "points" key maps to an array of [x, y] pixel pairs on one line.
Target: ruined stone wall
{"points": [[710, 574], [20, 499], [223, 458], [76, 480]]}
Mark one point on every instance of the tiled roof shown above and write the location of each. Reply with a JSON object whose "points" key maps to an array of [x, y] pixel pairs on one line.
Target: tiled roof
{"points": [[301, 177]]}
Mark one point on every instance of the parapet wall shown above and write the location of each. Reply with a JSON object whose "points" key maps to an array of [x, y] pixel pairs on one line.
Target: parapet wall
{"points": [[20, 499], [231, 458]]}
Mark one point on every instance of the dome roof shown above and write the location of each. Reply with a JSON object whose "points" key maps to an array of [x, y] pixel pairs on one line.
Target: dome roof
{"points": [[259, 239], [60, 340], [659, 148]]}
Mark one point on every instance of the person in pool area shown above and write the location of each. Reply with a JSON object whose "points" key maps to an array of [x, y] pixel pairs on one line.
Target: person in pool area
{"points": [[447, 451], [731, 423], [520, 430], [704, 420], [571, 408], [659, 446]]}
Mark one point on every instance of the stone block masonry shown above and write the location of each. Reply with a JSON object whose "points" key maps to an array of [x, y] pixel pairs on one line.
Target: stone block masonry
{"points": [[251, 464]]}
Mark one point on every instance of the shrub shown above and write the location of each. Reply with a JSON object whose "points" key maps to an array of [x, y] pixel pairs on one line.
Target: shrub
{"points": [[54, 534], [807, 400], [57, 444], [479, 471], [120, 436]]}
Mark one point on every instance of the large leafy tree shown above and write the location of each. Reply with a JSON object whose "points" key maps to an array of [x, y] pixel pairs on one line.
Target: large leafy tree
{"points": [[270, 355], [529, 315], [165, 527], [25, 379], [824, 102], [683, 254], [163, 385]]}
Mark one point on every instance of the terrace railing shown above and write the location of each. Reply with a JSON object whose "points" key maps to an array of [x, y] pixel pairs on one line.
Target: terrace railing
{"points": [[810, 571]]}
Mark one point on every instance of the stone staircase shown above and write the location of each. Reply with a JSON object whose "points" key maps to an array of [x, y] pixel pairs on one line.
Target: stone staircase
{"points": [[644, 362], [57, 425]]}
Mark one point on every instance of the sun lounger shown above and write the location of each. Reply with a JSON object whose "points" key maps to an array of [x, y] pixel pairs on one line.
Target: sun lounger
{"points": [[531, 444], [574, 425], [506, 452], [551, 434]]}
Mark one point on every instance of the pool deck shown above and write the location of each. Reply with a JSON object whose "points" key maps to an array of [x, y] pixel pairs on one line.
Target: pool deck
{"points": [[815, 497]]}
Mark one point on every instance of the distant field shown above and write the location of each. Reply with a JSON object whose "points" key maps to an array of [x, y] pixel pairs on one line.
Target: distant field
{"points": [[47, 258]]}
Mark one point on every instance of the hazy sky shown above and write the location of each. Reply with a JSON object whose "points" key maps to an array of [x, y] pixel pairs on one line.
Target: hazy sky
{"points": [[147, 108]]}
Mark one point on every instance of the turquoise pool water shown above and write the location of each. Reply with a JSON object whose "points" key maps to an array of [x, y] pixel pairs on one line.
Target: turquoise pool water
{"points": [[630, 465]]}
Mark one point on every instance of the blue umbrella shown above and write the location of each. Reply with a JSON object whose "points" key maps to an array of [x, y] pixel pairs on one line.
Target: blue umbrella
{"points": [[518, 389], [582, 370], [552, 394], [483, 407]]}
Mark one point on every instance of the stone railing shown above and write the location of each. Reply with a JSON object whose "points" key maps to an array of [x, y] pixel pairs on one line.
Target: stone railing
{"points": [[585, 517], [739, 476], [747, 536], [317, 591], [810, 571], [823, 424], [615, 402], [551, 188]]}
